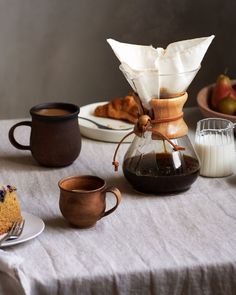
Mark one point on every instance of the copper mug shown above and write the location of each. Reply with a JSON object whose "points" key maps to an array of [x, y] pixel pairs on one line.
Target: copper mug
{"points": [[83, 199], [55, 139]]}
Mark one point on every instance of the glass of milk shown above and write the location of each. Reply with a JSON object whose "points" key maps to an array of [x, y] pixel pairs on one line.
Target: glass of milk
{"points": [[214, 144]]}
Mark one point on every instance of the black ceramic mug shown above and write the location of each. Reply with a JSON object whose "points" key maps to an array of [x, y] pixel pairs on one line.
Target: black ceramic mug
{"points": [[55, 139]]}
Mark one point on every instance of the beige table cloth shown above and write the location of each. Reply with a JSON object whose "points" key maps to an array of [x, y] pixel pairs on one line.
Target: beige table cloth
{"points": [[178, 244]]}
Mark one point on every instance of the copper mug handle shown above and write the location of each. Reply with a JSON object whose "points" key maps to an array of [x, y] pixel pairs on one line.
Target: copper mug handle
{"points": [[117, 194]]}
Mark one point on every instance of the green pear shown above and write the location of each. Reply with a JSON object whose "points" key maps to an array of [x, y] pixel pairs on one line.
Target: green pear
{"points": [[227, 105]]}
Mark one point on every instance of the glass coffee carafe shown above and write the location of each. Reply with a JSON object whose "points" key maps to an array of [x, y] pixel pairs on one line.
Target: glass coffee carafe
{"points": [[161, 158]]}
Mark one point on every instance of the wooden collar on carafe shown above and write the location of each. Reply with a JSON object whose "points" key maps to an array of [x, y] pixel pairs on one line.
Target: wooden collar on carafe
{"points": [[145, 123]]}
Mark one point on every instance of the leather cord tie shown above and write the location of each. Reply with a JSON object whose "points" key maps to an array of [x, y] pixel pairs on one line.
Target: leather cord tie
{"points": [[144, 124]]}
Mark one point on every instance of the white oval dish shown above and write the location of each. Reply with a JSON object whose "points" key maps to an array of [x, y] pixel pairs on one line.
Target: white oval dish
{"points": [[90, 130], [34, 226]]}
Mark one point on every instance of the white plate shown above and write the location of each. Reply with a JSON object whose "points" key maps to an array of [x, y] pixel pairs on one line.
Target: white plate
{"points": [[90, 130], [33, 227]]}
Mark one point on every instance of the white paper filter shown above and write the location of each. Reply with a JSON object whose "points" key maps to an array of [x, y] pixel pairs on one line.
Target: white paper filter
{"points": [[157, 72]]}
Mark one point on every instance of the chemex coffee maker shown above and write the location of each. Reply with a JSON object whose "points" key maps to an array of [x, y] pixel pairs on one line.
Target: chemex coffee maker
{"points": [[161, 158]]}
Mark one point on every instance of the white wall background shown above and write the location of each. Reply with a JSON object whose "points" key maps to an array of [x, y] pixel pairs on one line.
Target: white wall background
{"points": [[56, 50]]}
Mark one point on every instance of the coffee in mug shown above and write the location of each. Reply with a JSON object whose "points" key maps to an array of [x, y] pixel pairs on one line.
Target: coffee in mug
{"points": [[55, 139], [83, 199], [53, 112]]}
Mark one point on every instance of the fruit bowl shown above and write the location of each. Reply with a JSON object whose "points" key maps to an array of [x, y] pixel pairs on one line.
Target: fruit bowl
{"points": [[203, 101]]}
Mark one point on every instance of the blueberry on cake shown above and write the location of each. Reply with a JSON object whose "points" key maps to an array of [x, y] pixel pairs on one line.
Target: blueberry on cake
{"points": [[9, 207]]}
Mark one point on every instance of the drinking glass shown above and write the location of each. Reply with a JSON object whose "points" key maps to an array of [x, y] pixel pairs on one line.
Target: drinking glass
{"points": [[214, 144]]}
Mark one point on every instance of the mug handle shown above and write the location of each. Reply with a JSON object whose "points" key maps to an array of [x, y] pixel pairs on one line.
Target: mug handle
{"points": [[12, 138], [117, 194]]}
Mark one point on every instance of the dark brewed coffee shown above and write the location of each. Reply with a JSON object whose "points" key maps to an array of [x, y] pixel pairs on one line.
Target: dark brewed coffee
{"points": [[53, 112], [161, 173]]}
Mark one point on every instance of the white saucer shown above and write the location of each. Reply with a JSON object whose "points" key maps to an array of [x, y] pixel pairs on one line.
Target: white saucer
{"points": [[33, 227], [90, 130]]}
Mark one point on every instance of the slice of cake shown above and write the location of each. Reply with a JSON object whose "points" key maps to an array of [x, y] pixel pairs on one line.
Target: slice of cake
{"points": [[9, 207]]}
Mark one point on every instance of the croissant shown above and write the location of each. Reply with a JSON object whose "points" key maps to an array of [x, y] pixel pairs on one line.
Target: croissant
{"points": [[125, 108]]}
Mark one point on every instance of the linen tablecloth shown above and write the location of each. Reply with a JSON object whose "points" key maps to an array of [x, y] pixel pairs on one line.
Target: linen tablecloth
{"points": [[178, 244]]}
